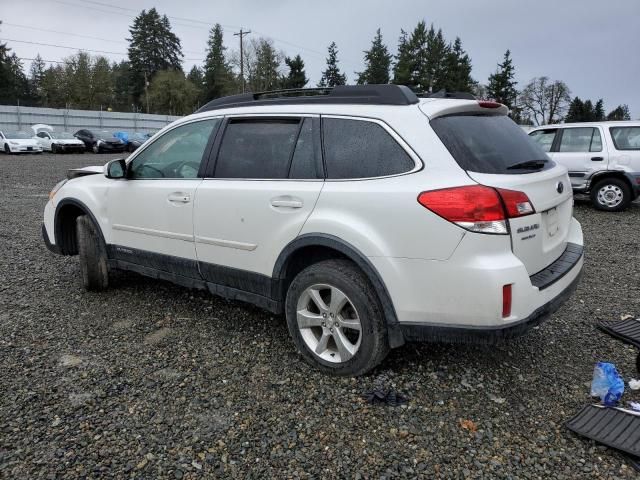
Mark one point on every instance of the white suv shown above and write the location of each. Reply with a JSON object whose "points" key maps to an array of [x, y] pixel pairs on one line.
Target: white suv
{"points": [[603, 159], [365, 214]]}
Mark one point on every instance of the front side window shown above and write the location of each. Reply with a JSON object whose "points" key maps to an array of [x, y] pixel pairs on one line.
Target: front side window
{"points": [[176, 154], [626, 138], [361, 149], [544, 138], [257, 148], [582, 139]]}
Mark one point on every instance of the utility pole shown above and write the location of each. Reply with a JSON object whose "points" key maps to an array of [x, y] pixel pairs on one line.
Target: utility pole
{"points": [[146, 94], [241, 34]]}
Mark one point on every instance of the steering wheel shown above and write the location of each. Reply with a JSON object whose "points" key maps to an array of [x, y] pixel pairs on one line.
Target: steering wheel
{"points": [[178, 166], [144, 165]]}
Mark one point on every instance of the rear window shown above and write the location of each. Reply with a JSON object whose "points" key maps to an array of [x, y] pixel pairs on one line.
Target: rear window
{"points": [[490, 144], [361, 149], [626, 138]]}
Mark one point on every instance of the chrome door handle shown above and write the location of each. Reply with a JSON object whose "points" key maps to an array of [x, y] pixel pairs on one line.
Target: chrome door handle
{"points": [[179, 197], [286, 202]]}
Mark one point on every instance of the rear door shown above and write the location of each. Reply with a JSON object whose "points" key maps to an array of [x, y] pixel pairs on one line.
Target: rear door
{"points": [[260, 188], [496, 152], [626, 142], [581, 150]]}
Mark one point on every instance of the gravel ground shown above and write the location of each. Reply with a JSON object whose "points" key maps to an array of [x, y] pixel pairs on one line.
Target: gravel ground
{"points": [[151, 380]]}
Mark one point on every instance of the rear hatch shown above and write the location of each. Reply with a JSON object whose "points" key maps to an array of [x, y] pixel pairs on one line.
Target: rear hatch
{"points": [[496, 152]]}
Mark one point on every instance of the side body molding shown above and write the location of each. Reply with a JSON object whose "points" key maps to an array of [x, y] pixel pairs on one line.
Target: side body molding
{"points": [[396, 337]]}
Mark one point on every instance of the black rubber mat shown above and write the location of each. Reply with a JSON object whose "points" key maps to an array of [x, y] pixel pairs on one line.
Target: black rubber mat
{"points": [[612, 427], [626, 330]]}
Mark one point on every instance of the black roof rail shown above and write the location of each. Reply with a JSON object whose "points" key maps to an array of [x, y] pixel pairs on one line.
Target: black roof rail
{"points": [[342, 94], [444, 94]]}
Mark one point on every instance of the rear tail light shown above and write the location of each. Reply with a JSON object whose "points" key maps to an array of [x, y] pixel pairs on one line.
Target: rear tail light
{"points": [[476, 207], [506, 301]]}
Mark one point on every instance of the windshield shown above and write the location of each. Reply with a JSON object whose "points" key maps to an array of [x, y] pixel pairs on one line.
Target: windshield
{"points": [[62, 135], [490, 144], [17, 135]]}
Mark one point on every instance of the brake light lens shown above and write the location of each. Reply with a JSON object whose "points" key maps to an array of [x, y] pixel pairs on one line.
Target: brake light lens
{"points": [[488, 104], [477, 208]]}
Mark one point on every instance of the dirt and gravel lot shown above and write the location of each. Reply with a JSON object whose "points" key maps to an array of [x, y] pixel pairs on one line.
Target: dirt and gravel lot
{"points": [[151, 380]]}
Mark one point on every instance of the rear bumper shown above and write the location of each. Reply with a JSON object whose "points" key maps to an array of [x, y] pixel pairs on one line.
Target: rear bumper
{"points": [[488, 335]]}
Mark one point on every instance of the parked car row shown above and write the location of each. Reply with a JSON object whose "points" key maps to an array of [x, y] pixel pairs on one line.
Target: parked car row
{"points": [[603, 159], [43, 138]]}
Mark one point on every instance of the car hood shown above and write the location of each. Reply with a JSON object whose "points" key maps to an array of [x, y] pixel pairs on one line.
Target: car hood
{"points": [[25, 142], [110, 139], [84, 171], [67, 141]]}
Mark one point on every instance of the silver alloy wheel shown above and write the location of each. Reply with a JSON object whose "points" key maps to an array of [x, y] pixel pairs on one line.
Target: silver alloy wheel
{"points": [[610, 195], [329, 323]]}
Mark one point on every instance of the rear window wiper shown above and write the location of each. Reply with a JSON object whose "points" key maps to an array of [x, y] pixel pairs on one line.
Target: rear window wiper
{"points": [[529, 164]]}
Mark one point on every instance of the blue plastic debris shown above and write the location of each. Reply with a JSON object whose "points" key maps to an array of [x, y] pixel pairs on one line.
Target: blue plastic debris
{"points": [[607, 383]]}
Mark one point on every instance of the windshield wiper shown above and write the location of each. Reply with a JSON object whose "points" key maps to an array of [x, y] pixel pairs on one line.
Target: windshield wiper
{"points": [[529, 164]]}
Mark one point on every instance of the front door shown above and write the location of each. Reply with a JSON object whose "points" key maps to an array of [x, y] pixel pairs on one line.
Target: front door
{"points": [[261, 189], [152, 210]]}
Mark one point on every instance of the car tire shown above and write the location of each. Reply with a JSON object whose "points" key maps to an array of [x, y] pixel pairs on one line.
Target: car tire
{"points": [[93, 255], [95, 148], [7, 150], [54, 148], [611, 194], [332, 308]]}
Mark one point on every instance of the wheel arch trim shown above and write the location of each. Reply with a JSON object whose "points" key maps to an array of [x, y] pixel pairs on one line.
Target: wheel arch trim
{"points": [[58, 234], [396, 338]]}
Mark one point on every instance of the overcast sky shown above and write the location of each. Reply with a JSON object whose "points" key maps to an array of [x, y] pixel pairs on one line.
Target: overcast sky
{"points": [[591, 45]]}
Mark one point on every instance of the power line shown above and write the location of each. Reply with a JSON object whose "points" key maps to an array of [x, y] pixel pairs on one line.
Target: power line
{"points": [[82, 36], [63, 46]]}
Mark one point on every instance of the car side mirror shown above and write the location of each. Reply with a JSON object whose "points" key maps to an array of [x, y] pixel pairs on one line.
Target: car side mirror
{"points": [[116, 169]]}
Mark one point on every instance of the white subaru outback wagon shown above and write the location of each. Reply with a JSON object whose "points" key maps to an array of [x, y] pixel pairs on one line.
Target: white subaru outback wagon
{"points": [[368, 216]]}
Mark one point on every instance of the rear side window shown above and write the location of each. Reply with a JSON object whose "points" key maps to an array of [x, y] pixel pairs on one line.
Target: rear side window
{"points": [[544, 138], [626, 138], [260, 149], [490, 144], [304, 164], [361, 149], [582, 139]]}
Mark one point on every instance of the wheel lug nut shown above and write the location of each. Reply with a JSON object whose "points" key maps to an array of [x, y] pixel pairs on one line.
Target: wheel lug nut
{"points": [[324, 315], [336, 324], [331, 315]]}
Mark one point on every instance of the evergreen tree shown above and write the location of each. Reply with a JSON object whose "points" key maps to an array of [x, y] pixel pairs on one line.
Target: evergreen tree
{"points": [[53, 83], [297, 77], [502, 84], [218, 76], [196, 77], [621, 112], [458, 69], [418, 51], [122, 98], [36, 74], [377, 63], [101, 84], [332, 76], [588, 112], [152, 47], [404, 61], [576, 111], [433, 72], [599, 111]]}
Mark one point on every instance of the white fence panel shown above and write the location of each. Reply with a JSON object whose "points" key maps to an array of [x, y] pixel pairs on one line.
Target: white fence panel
{"points": [[15, 117]]}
